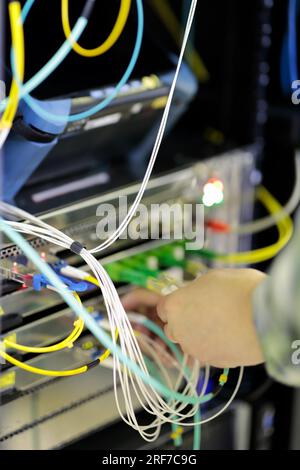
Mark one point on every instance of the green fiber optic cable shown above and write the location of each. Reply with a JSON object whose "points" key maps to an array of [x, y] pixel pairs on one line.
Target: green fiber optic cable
{"points": [[122, 273], [138, 264], [168, 258], [148, 260]]}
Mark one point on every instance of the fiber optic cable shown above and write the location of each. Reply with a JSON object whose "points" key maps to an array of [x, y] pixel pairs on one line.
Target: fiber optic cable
{"points": [[154, 328], [66, 343], [160, 372], [130, 365], [289, 52], [174, 255], [93, 326], [26, 9], [197, 430], [185, 372], [107, 352], [156, 281], [17, 34], [285, 230], [163, 375], [109, 42], [120, 272], [56, 59], [48, 373], [292, 40], [156, 423], [53, 373], [176, 435], [60, 55], [140, 264], [158, 139], [177, 430]]}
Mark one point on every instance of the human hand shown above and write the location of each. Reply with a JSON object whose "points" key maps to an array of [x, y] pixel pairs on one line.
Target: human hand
{"points": [[211, 318]]}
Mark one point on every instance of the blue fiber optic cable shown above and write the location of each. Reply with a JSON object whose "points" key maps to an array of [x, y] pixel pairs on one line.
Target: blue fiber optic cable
{"points": [[292, 40], [53, 63], [56, 118], [26, 9], [197, 430], [289, 52]]}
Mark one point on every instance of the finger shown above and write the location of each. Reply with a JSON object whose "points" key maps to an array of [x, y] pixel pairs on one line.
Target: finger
{"points": [[169, 333], [169, 305], [140, 298], [161, 310], [151, 314]]}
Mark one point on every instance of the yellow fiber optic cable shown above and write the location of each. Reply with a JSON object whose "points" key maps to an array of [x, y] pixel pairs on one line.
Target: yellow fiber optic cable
{"points": [[285, 230], [53, 373], [17, 34], [57, 373], [38, 371], [173, 25], [109, 42], [66, 343], [92, 280]]}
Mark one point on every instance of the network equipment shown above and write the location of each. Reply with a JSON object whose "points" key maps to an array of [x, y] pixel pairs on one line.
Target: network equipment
{"points": [[64, 331]]}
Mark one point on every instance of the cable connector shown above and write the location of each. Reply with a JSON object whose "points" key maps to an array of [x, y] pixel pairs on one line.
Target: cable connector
{"points": [[223, 379], [58, 265], [40, 281], [86, 13]]}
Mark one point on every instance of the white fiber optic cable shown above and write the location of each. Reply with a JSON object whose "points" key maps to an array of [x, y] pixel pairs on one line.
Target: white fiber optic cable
{"points": [[158, 140]]}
